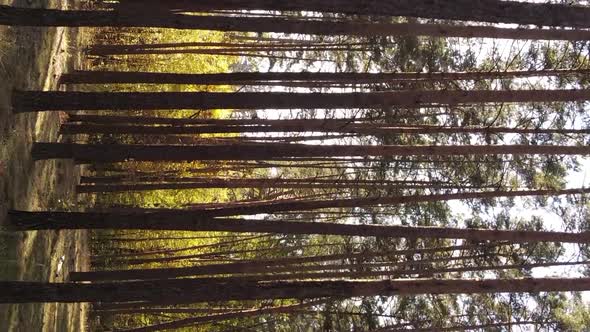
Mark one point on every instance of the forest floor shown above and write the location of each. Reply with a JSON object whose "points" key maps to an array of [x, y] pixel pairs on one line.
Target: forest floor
{"points": [[32, 59]]}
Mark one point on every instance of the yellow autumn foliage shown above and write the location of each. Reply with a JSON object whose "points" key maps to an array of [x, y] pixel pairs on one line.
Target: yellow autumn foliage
{"points": [[173, 63]]}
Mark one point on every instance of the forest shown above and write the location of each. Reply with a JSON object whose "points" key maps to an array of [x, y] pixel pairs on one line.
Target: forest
{"points": [[302, 165]]}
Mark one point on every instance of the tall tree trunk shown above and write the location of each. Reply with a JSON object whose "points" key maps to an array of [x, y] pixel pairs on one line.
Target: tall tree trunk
{"points": [[331, 274], [196, 221], [149, 18], [91, 153], [247, 78], [252, 208], [224, 51], [32, 101], [111, 119], [302, 127], [175, 177], [260, 183], [209, 311], [195, 290], [493, 11], [274, 45]]}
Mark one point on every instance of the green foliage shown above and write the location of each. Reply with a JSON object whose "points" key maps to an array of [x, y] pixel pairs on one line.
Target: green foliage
{"points": [[575, 317]]}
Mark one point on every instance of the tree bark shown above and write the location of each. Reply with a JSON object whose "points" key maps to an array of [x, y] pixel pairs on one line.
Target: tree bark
{"points": [[195, 290], [179, 184], [236, 50], [493, 11], [110, 119], [149, 18], [329, 273], [300, 126], [276, 45], [196, 221], [33, 101], [209, 311], [253, 78], [93, 153]]}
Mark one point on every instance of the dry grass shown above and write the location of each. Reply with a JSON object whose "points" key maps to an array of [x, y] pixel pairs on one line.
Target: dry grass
{"points": [[5, 44], [29, 60]]}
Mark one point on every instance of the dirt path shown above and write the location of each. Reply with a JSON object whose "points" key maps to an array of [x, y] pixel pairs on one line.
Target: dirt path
{"points": [[32, 58]]}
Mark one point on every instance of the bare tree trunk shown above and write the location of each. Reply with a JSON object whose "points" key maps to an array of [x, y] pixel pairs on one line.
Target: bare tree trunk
{"points": [[329, 273], [110, 119], [33, 101], [493, 11], [302, 127], [199, 290], [245, 51], [199, 221], [254, 78], [92, 153], [274, 45], [115, 18], [180, 184], [209, 311]]}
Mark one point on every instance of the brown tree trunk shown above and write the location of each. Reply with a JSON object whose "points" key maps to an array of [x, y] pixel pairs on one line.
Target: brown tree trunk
{"points": [[149, 18], [261, 183], [92, 153], [110, 119], [32, 101], [209, 311], [253, 78], [331, 274], [199, 221], [223, 51], [493, 11], [266, 45], [303, 127], [252, 208], [195, 290]]}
